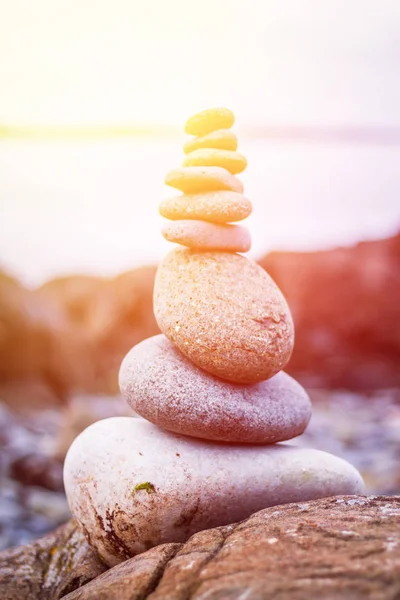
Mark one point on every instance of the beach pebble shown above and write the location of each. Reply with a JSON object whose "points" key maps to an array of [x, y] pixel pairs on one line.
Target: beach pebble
{"points": [[164, 387], [131, 485], [225, 313], [210, 157], [216, 207], [208, 236], [209, 120], [224, 139], [203, 179]]}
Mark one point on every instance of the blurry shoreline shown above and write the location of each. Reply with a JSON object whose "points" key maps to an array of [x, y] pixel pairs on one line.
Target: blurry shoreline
{"points": [[345, 134]]}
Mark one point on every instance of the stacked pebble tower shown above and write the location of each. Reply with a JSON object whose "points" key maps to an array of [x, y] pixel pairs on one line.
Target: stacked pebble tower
{"points": [[211, 389]]}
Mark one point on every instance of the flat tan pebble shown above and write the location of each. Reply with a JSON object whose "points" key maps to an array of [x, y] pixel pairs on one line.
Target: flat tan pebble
{"points": [[225, 313], [191, 180], [208, 236], [209, 157], [209, 120], [131, 485], [215, 207], [164, 387], [224, 139]]}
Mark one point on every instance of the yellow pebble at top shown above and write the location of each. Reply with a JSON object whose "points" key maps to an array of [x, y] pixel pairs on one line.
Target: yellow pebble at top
{"points": [[209, 120], [209, 157], [222, 139]]}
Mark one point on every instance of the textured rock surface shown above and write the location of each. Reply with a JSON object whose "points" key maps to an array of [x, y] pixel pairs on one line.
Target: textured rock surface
{"points": [[164, 387], [216, 207], [347, 548], [224, 313], [49, 568], [208, 236], [132, 485], [134, 579]]}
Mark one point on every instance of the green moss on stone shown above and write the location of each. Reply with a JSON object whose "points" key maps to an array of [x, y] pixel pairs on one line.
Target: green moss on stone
{"points": [[146, 485]]}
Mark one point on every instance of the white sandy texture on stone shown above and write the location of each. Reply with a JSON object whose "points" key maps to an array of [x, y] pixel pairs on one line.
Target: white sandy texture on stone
{"points": [[164, 387], [132, 485], [225, 313]]}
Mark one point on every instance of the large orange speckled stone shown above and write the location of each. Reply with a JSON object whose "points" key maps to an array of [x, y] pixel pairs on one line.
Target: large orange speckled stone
{"points": [[224, 313]]}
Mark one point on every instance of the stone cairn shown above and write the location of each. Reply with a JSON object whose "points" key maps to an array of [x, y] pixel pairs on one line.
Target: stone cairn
{"points": [[211, 389]]}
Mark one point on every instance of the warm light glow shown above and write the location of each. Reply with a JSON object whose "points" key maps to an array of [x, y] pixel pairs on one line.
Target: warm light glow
{"points": [[83, 62], [104, 71]]}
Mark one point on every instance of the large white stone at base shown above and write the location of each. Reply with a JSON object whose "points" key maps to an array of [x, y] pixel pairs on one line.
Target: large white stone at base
{"points": [[132, 486]]}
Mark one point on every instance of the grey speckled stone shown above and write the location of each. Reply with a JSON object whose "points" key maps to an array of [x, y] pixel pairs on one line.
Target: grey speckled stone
{"points": [[164, 387]]}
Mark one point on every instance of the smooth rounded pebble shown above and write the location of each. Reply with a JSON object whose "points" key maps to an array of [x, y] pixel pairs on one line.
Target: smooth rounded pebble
{"points": [[208, 236], [203, 179], [225, 313], [209, 120], [132, 486], [214, 207], [164, 387], [210, 157], [224, 139]]}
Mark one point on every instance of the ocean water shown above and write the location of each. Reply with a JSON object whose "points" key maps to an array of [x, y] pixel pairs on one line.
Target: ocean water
{"points": [[90, 206]]}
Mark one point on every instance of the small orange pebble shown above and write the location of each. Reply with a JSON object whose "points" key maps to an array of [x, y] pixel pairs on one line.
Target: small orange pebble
{"points": [[209, 120], [208, 236], [210, 157], [215, 207], [203, 179], [223, 139]]}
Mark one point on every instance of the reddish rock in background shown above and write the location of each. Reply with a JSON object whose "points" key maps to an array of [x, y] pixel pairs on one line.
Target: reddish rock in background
{"points": [[113, 315], [346, 309], [41, 356], [70, 335]]}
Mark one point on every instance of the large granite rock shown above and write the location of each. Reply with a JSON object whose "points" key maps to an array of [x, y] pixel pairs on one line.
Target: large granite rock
{"points": [[343, 547], [346, 311], [49, 568]]}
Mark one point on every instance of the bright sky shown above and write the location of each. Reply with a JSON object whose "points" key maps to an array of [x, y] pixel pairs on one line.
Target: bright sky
{"points": [[91, 206], [156, 61]]}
